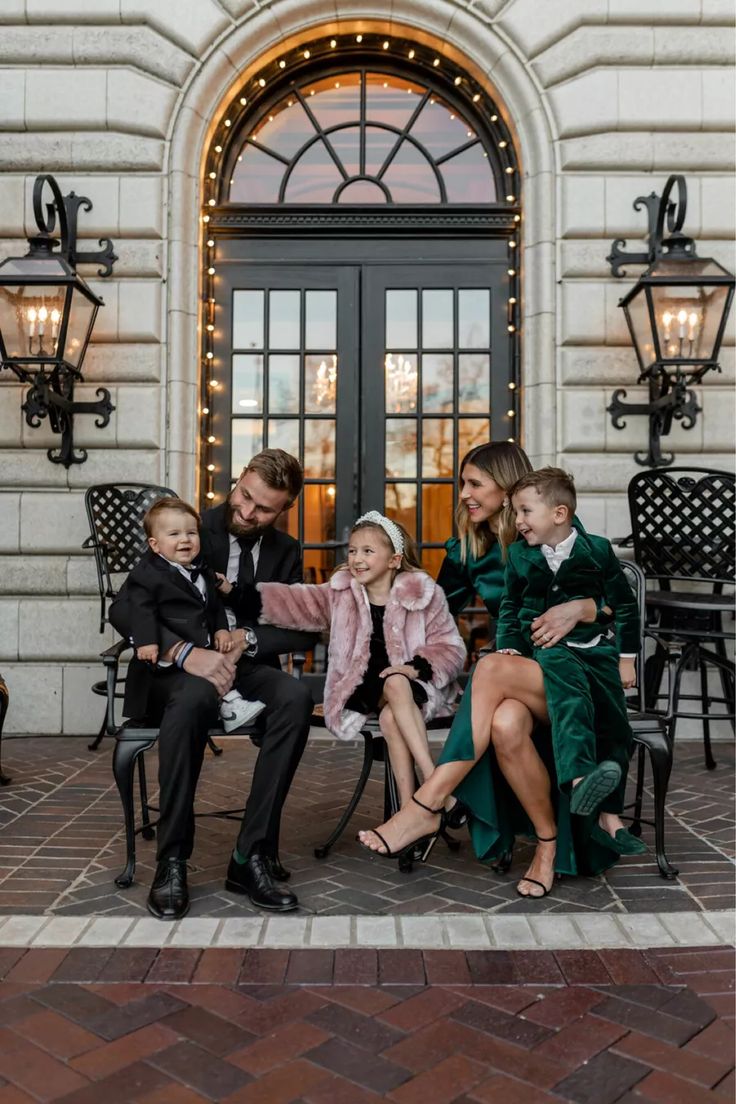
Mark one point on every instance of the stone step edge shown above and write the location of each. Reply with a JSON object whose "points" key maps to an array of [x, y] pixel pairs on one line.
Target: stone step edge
{"points": [[448, 931]]}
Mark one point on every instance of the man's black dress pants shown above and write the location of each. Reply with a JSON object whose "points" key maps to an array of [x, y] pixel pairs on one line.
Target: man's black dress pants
{"points": [[187, 707]]}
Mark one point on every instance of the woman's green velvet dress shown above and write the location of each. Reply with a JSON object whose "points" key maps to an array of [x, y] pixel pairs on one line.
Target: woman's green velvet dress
{"points": [[496, 815]]}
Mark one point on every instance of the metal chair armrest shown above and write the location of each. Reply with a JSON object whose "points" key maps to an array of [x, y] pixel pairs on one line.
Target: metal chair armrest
{"points": [[623, 542]]}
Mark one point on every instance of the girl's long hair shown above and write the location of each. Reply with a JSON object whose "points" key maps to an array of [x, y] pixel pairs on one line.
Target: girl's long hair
{"points": [[504, 462], [410, 555]]}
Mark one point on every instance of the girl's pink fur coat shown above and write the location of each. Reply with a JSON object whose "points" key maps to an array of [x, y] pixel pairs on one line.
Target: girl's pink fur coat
{"points": [[417, 621]]}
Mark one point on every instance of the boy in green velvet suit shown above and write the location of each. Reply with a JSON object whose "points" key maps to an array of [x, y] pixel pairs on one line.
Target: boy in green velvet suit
{"points": [[585, 673]]}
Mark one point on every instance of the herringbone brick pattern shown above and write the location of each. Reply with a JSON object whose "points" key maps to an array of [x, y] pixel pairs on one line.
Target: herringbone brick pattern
{"points": [[61, 843], [182, 1026]]}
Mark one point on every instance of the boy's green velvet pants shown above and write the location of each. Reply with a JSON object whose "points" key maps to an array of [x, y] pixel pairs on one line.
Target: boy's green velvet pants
{"points": [[587, 712]]}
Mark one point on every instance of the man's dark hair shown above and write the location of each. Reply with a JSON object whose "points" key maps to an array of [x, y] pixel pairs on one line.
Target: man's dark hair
{"points": [[279, 470]]}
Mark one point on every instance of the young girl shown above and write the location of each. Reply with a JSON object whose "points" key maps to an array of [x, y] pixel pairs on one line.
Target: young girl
{"points": [[394, 646]]}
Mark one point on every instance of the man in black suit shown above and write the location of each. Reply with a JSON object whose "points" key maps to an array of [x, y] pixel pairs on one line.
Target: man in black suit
{"points": [[240, 542]]}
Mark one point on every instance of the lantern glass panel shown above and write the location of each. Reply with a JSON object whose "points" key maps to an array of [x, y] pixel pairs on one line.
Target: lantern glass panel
{"points": [[637, 313], [30, 320], [688, 320], [81, 318]]}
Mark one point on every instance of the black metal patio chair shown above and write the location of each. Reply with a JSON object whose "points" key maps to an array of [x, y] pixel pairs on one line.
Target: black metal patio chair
{"points": [[115, 515], [652, 733], [683, 538], [374, 751]]}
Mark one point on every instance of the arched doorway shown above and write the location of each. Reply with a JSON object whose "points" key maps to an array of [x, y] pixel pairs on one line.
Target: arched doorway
{"points": [[360, 290]]}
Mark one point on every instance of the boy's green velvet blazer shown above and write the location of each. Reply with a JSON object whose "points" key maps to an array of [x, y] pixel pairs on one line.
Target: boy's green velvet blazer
{"points": [[591, 571]]}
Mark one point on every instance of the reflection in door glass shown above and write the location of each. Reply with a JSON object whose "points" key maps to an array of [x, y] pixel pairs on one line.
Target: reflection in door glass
{"points": [[401, 318], [319, 512], [321, 320], [437, 383], [437, 318], [283, 384], [467, 177], [284, 310], [401, 448], [401, 504], [437, 448], [247, 440], [472, 432], [411, 178], [248, 319], [319, 448], [314, 177], [436, 512], [474, 318], [247, 386], [283, 433], [474, 382], [401, 383], [320, 383]]}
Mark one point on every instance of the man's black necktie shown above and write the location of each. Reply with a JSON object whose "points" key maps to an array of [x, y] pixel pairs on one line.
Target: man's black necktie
{"points": [[246, 570]]}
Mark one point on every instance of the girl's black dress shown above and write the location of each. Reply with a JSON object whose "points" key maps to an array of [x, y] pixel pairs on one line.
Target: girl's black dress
{"points": [[365, 698]]}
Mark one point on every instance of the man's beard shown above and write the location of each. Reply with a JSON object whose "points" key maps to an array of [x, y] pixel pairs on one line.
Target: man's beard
{"points": [[237, 528]]}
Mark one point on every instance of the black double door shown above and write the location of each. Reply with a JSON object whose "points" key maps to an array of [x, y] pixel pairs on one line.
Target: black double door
{"points": [[379, 367]]}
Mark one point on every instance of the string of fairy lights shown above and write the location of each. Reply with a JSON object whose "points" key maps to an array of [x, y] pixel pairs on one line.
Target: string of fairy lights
{"points": [[250, 100]]}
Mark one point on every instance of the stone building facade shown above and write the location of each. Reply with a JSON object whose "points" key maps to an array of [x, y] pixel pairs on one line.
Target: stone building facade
{"points": [[120, 100]]}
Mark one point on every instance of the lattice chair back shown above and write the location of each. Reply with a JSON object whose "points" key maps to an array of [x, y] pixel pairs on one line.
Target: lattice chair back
{"points": [[636, 580], [682, 523], [115, 513]]}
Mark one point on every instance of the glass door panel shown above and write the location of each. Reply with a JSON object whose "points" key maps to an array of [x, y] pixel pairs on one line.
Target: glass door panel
{"points": [[286, 362], [432, 387]]}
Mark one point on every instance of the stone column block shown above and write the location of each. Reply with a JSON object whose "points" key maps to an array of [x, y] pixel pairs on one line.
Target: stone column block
{"points": [[193, 24], [582, 206], [9, 522], [32, 575], [35, 699], [60, 629], [9, 621], [12, 97], [583, 320], [66, 99], [587, 103], [582, 420], [11, 206], [102, 191], [127, 91], [140, 310], [108, 362], [142, 206], [82, 711], [139, 420], [52, 522]]}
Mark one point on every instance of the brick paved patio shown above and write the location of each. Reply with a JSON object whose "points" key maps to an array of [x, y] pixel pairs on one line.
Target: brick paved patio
{"points": [[182, 1026], [61, 845]]}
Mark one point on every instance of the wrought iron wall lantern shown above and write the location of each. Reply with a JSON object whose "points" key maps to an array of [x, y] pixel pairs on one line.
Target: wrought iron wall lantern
{"points": [[676, 314], [47, 314]]}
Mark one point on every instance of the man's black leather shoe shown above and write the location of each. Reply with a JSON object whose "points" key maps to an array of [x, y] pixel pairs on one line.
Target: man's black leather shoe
{"points": [[253, 878], [278, 872], [169, 896]]}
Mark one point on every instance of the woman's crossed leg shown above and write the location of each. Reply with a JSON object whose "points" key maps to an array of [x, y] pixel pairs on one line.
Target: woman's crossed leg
{"points": [[507, 695]]}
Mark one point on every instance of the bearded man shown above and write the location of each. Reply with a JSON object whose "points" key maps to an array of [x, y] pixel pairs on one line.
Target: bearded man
{"points": [[240, 543]]}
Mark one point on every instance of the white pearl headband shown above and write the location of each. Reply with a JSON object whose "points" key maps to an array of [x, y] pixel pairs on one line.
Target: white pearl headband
{"points": [[389, 527]]}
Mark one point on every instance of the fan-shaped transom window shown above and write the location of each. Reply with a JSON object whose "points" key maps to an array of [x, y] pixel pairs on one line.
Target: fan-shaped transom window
{"points": [[362, 137]]}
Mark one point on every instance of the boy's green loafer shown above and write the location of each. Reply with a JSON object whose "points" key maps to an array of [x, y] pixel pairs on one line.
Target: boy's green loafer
{"points": [[591, 790], [623, 843]]}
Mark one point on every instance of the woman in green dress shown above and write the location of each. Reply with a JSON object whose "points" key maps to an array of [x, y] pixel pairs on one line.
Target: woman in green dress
{"points": [[502, 776]]}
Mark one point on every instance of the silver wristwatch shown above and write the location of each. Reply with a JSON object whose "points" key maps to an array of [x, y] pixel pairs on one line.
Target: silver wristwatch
{"points": [[251, 642]]}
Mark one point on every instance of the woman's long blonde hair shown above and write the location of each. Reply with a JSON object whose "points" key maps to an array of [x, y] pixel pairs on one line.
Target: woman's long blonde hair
{"points": [[504, 462]]}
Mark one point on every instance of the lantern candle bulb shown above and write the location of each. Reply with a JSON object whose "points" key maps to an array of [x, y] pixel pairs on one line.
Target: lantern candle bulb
{"points": [[667, 322]]}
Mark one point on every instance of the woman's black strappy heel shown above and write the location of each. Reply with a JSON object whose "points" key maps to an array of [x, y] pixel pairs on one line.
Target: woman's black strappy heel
{"points": [[425, 843], [545, 889]]}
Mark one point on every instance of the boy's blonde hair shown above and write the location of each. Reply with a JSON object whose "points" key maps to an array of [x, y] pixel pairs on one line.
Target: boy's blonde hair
{"points": [[505, 462], [553, 485], [161, 504]]}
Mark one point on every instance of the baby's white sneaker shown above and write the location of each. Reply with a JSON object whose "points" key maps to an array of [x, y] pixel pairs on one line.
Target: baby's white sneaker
{"points": [[238, 712]]}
